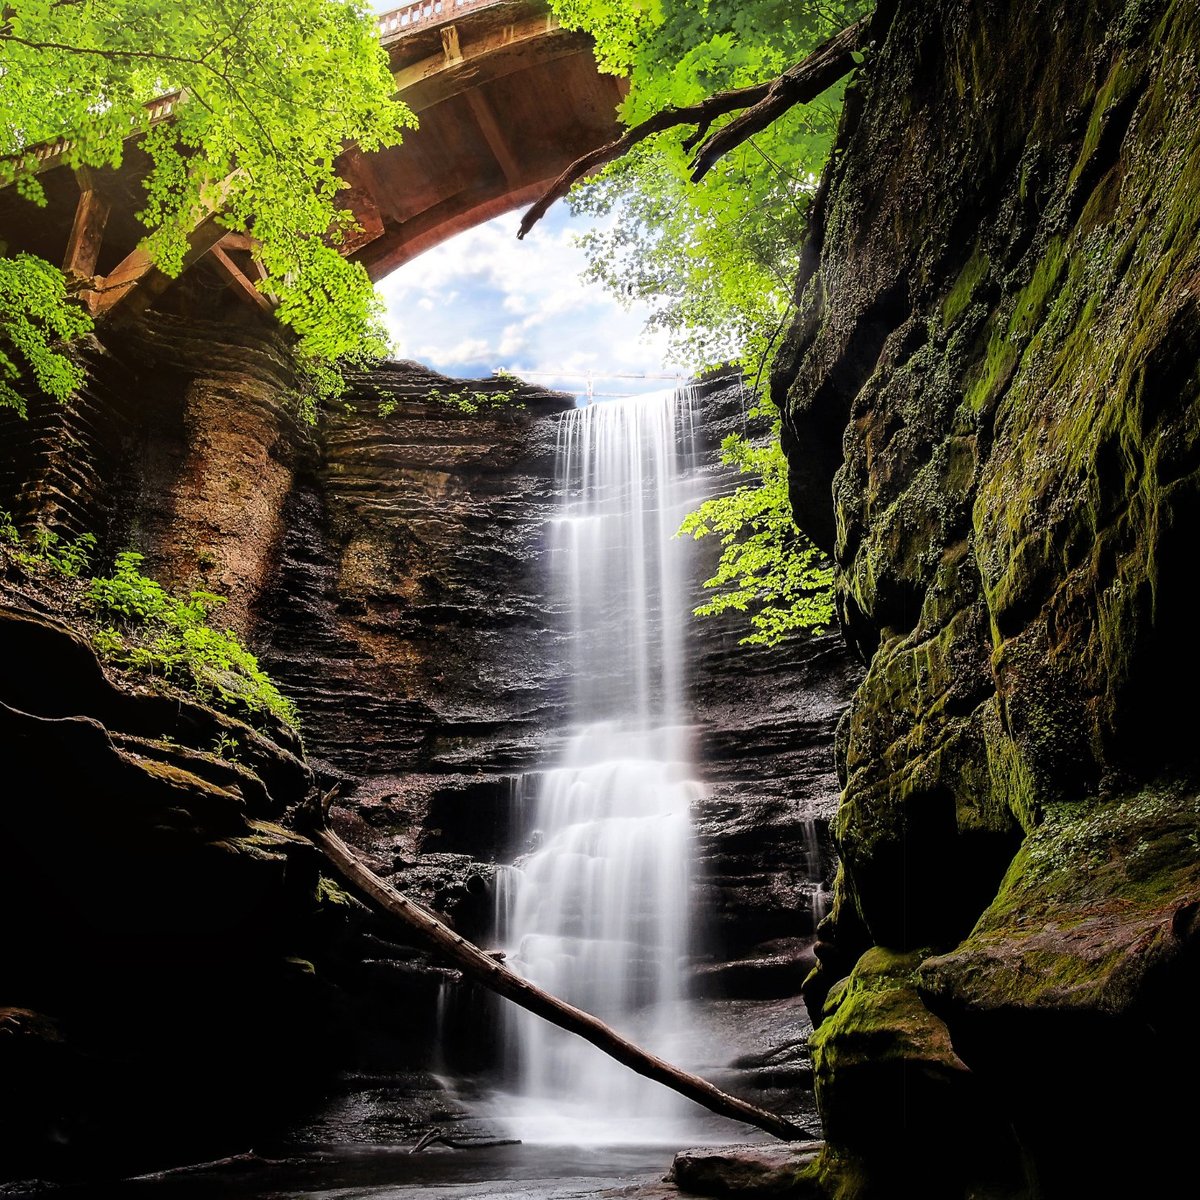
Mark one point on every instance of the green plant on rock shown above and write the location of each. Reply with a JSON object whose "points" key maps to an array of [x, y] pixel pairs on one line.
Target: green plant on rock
{"points": [[471, 402], [151, 630], [228, 747], [44, 549], [767, 568]]}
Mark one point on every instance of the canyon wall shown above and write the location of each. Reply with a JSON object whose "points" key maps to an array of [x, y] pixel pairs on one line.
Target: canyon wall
{"points": [[992, 415], [390, 568]]}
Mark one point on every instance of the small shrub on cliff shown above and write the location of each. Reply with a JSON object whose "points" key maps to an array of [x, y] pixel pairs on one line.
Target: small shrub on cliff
{"points": [[46, 550], [152, 630], [470, 402], [768, 568], [134, 622]]}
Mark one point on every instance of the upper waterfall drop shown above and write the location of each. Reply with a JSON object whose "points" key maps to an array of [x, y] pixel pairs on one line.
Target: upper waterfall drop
{"points": [[597, 911]]}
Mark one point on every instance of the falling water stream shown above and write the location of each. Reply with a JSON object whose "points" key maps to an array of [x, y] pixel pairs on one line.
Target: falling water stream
{"points": [[597, 910]]}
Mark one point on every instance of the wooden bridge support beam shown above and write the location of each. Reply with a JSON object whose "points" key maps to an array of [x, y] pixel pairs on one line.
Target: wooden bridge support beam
{"points": [[136, 282], [87, 229]]}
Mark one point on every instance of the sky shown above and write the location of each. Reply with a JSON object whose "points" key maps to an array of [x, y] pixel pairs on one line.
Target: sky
{"points": [[484, 300]]}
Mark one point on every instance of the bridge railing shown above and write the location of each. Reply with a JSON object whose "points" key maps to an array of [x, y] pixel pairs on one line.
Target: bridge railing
{"points": [[46, 154], [428, 12]]}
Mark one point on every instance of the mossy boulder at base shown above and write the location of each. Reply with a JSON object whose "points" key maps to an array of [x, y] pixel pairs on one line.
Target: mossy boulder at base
{"points": [[991, 399]]}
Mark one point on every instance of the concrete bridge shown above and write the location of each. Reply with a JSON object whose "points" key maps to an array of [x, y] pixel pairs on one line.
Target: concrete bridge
{"points": [[506, 99]]}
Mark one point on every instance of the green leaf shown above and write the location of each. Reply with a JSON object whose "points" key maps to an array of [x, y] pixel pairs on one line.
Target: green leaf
{"points": [[715, 262], [275, 89], [767, 568]]}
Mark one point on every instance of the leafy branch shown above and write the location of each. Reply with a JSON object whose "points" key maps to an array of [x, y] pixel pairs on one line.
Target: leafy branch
{"points": [[271, 92], [764, 103], [767, 568]]}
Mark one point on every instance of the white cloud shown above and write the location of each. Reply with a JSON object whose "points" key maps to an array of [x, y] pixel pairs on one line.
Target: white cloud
{"points": [[512, 342], [454, 308]]}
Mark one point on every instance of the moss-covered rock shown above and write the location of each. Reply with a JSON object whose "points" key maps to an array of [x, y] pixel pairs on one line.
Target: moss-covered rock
{"points": [[995, 371], [895, 1096], [1100, 902]]}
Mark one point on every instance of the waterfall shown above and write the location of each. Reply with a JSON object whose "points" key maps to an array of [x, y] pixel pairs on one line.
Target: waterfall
{"points": [[597, 910]]}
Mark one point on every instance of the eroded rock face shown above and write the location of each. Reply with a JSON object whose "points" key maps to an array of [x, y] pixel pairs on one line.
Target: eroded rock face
{"points": [[160, 926], [994, 372], [765, 724], [390, 570], [408, 608]]}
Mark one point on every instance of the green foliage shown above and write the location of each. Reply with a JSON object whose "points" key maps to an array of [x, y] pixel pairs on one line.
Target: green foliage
{"points": [[227, 746], [768, 568], [35, 319], [149, 629], [273, 90], [323, 381], [717, 261], [470, 402], [146, 628], [46, 550], [330, 892]]}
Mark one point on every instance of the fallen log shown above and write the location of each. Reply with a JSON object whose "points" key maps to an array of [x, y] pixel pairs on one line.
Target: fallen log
{"points": [[441, 1138], [482, 968]]}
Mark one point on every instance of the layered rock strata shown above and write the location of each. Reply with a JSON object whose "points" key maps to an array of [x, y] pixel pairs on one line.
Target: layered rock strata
{"points": [[390, 568], [993, 372]]}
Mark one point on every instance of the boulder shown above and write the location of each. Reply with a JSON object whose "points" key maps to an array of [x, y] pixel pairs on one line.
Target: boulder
{"points": [[777, 1169]]}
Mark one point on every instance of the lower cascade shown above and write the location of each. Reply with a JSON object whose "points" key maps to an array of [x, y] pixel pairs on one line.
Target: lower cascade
{"points": [[597, 910]]}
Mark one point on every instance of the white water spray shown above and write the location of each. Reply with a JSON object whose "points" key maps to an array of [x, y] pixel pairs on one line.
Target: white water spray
{"points": [[597, 912]]}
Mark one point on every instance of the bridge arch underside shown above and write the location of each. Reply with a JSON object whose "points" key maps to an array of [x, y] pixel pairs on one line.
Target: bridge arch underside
{"points": [[496, 129], [506, 100]]}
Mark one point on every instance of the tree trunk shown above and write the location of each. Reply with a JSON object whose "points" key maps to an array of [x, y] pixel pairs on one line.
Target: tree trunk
{"points": [[481, 968]]}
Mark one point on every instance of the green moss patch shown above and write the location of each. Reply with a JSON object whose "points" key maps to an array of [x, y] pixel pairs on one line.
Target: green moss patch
{"points": [[1088, 908]]}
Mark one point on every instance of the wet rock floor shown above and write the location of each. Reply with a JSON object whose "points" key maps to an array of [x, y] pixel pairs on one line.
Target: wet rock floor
{"points": [[380, 1173]]}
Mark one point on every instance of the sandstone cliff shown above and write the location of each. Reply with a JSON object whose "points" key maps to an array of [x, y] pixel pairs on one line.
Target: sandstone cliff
{"points": [[993, 373], [390, 569]]}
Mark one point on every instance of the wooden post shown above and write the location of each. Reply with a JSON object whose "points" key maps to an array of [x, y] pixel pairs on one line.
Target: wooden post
{"points": [[87, 230], [485, 118], [242, 285]]}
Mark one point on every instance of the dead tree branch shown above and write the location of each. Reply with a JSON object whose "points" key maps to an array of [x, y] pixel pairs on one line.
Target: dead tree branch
{"points": [[763, 103], [483, 969]]}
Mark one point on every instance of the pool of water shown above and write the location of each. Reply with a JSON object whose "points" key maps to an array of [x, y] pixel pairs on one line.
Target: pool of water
{"points": [[558, 1172]]}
